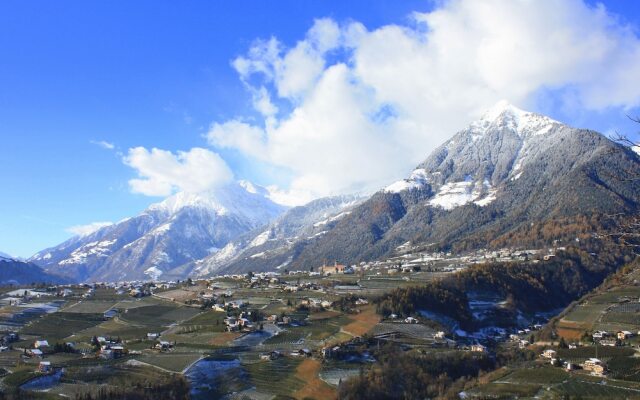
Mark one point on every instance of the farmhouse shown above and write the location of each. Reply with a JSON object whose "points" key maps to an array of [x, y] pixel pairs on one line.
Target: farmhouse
{"points": [[623, 335], [549, 353], [600, 334], [164, 345], [594, 365], [40, 343]]}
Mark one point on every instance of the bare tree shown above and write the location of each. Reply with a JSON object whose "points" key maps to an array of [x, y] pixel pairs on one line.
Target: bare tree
{"points": [[628, 232]]}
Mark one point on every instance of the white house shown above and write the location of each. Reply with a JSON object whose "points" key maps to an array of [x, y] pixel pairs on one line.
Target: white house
{"points": [[549, 353]]}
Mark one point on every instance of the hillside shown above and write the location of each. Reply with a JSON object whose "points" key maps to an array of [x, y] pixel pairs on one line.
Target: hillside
{"points": [[504, 172]]}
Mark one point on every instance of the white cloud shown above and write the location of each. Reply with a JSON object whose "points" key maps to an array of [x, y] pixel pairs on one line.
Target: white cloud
{"points": [[367, 106], [104, 144], [161, 172], [295, 71], [83, 230]]}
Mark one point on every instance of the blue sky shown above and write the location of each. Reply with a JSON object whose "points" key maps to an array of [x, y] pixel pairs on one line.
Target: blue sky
{"points": [[159, 74]]}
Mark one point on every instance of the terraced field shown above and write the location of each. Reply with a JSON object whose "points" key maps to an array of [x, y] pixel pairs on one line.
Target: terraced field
{"points": [[57, 326]]}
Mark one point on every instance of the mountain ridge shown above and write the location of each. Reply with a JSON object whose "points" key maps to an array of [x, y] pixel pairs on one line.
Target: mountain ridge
{"points": [[516, 168], [507, 169], [179, 229]]}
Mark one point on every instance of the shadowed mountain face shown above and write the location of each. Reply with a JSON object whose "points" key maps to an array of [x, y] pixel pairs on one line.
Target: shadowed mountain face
{"points": [[17, 272], [509, 169], [181, 229]]}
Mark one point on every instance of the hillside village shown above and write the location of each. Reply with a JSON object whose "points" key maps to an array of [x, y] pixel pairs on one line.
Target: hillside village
{"points": [[325, 319]]}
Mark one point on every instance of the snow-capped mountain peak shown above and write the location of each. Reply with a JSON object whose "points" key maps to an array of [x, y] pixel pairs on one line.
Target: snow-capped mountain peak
{"points": [[180, 229], [182, 200], [505, 115], [471, 166], [253, 188]]}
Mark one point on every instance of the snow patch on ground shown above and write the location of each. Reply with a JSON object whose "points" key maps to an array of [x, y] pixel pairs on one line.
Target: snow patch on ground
{"points": [[317, 234], [161, 258], [488, 199], [260, 239], [162, 229], [153, 272], [517, 176], [332, 219], [417, 180], [92, 249], [456, 194], [284, 264]]}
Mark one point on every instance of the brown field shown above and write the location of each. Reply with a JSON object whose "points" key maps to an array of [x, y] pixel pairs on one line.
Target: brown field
{"points": [[324, 315], [180, 295], [315, 388], [363, 322], [570, 332]]}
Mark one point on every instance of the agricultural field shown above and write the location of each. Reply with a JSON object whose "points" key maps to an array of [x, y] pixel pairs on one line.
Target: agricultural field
{"points": [[609, 309], [235, 338], [197, 344]]}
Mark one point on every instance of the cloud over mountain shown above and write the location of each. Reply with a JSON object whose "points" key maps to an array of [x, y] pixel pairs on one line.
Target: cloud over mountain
{"points": [[162, 172], [348, 109]]}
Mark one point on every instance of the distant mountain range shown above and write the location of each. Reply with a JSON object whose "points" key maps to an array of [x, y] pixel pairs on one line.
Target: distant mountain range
{"points": [[17, 272], [274, 246], [507, 170], [181, 229]]}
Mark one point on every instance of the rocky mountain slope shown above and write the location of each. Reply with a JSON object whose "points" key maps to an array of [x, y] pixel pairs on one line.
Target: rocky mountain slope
{"points": [[183, 228], [507, 170], [274, 246]]}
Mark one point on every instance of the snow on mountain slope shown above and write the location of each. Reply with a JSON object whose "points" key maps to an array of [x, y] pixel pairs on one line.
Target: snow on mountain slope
{"points": [[417, 179], [182, 228], [496, 147], [508, 169], [455, 194], [273, 246]]}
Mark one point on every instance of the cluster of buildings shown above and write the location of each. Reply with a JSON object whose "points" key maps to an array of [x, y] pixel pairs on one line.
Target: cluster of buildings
{"points": [[240, 323], [604, 338], [110, 349], [593, 365]]}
